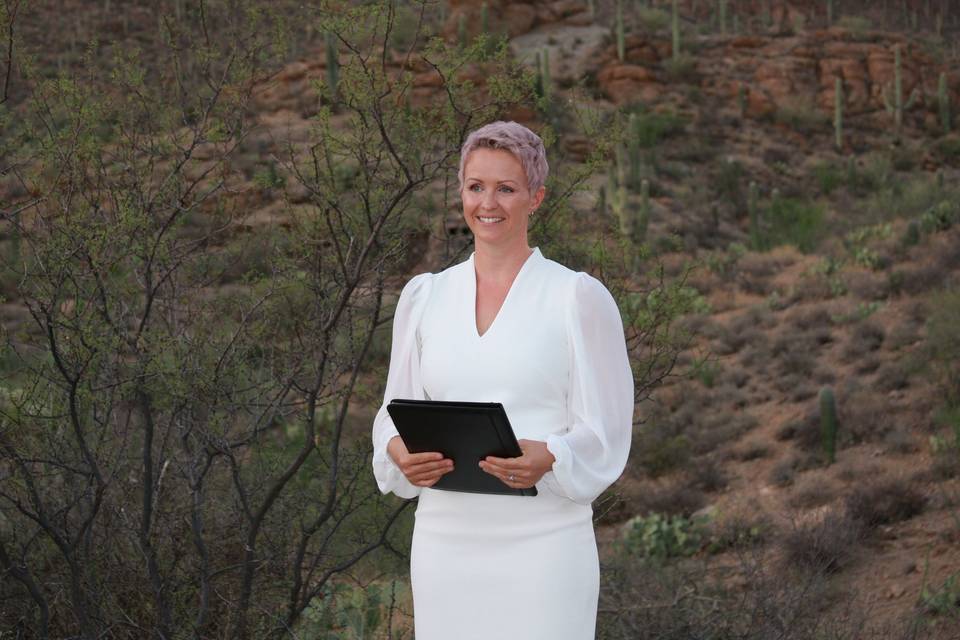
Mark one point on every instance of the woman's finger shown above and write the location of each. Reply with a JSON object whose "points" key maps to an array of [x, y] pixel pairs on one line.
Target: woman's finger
{"points": [[429, 474], [520, 478], [420, 458], [507, 463], [504, 470], [426, 467]]}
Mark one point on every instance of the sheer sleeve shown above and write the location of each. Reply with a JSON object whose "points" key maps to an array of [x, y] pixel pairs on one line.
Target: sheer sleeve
{"points": [[403, 381], [591, 455]]}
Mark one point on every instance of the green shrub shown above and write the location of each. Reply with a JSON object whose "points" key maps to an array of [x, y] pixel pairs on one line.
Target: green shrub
{"points": [[650, 127], [949, 148], [793, 221], [351, 612], [829, 176], [944, 601], [802, 115], [682, 67], [660, 455], [873, 175], [943, 344], [660, 537], [940, 216], [652, 20]]}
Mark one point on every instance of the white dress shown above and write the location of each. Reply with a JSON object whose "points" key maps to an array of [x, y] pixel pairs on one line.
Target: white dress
{"points": [[483, 566]]}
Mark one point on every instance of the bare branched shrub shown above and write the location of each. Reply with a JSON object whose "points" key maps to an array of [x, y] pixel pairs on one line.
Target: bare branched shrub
{"points": [[671, 497], [866, 337], [884, 501], [174, 419], [688, 599], [820, 545]]}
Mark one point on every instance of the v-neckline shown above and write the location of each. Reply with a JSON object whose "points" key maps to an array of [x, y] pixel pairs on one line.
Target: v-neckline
{"points": [[506, 299]]}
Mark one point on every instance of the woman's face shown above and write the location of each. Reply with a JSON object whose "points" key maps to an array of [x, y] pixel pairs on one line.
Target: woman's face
{"points": [[496, 200]]}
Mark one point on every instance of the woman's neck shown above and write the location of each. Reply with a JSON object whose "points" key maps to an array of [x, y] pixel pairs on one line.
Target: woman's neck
{"points": [[500, 263]]}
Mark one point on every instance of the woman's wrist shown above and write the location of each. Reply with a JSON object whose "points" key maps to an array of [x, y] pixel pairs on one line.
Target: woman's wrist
{"points": [[395, 449]]}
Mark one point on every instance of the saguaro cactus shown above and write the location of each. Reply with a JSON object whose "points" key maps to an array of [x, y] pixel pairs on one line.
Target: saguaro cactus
{"points": [[895, 104], [633, 151], [333, 63], [943, 99], [838, 113], [643, 213], [462, 30], [828, 424], [753, 208], [544, 71], [633, 215], [619, 198]]}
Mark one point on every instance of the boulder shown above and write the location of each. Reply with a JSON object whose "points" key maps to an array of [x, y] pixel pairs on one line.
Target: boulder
{"points": [[573, 51], [625, 83]]}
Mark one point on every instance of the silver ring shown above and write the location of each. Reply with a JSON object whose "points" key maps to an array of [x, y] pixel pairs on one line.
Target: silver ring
{"points": [[511, 477]]}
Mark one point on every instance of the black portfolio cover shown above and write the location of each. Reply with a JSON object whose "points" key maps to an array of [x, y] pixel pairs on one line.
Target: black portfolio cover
{"points": [[465, 432]]}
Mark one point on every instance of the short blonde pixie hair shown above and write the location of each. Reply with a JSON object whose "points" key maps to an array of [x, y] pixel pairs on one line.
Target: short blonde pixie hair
{"points": [[518, 140]]}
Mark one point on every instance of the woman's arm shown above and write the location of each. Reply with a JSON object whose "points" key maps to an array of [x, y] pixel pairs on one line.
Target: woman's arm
{"points": [[403, 381], [591, 455]]}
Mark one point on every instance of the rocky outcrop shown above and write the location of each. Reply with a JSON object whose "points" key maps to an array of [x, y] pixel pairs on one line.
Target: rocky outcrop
{"points": [[514, 18], [782, 72]]}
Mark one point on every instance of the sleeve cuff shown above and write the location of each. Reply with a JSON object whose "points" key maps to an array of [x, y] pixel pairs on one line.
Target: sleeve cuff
{"points": [[559, 476]]}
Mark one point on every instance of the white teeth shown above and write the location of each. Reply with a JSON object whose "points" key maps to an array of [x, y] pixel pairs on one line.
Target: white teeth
{"points": [[482, 219]]}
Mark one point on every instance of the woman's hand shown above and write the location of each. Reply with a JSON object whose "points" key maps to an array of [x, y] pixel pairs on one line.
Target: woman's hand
{"points": [[522, 472], [421, 469]]}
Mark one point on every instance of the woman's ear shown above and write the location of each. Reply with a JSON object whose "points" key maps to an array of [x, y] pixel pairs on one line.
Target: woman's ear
{"points": [[538, 198]]}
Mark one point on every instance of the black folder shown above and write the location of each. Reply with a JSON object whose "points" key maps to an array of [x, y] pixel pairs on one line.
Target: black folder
{"points": [[465, 432]]}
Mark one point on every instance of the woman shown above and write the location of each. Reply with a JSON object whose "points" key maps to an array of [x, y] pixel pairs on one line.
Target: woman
{"points": [[509, 326]]}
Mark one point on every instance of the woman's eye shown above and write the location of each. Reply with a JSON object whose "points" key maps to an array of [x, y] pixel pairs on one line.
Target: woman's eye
{"points": [[506, 189], [475, 187]]}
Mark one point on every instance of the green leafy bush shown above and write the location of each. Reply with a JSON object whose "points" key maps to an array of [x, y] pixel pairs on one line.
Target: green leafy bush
{"points": [[802, 115], [660, 537], [793, 221], [829, 176], [944, 601], [940, 216], [943, 344], [650, 127], [349, 612]]}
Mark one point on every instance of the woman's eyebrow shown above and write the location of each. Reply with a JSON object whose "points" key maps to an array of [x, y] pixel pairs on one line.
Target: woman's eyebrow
{"points": [[498, 181]]}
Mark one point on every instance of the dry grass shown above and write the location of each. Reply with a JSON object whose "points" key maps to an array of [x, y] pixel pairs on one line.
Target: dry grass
{"points": [[812, 491]]}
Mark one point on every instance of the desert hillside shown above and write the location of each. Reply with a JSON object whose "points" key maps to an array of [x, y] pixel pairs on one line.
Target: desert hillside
{"points": [[785, 174]]}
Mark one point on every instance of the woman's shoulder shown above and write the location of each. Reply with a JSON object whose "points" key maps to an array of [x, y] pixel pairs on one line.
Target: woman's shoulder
{"points": [[420, 286], [578, 283]]}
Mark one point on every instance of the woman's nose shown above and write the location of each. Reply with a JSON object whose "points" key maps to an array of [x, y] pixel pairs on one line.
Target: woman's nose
{"points": [[489, 200]]}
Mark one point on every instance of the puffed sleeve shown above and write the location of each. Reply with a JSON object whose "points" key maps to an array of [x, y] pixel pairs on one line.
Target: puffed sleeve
{"points": [[403, 381], [591, 455]]}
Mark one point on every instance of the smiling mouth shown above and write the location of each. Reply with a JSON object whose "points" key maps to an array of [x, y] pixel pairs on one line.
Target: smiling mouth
{"points": [[489, 220]]}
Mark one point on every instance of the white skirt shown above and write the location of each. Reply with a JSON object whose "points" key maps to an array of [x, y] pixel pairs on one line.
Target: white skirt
{"points": [[485, 567]]}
